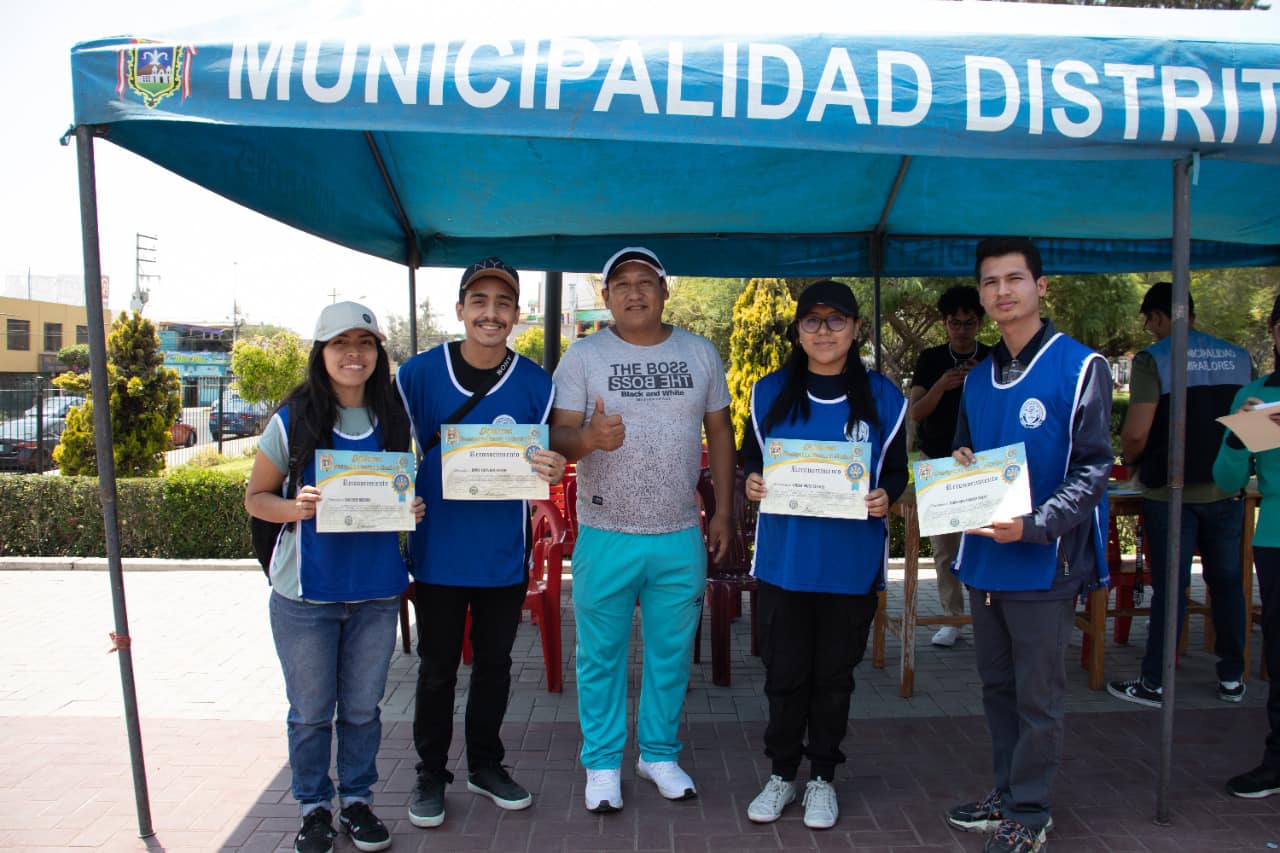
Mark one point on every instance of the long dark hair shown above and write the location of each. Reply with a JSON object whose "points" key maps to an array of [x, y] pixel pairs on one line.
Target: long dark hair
{"points": [[1271, 325], [792, 403], [314, 398]]}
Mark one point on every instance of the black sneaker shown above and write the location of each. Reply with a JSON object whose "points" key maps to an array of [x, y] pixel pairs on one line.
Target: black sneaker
{"points": [[366, 831], [1138, 692], [317, 833], [496, 784], [1230, 691], [426, 808], [1261, 781], [982, 816], [1013, 837]]}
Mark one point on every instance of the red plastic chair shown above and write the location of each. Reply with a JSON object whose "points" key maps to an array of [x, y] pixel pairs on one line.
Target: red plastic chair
{"points": [[727, 579], [542, 599], [550, 531]]}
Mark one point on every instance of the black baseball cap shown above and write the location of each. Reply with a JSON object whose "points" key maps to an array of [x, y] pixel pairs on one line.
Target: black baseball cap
{"points": [[492, 267], [833, 294]]}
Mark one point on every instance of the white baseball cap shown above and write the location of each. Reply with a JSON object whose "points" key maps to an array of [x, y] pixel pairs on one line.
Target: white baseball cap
{"points": [[343, 317], [636, 254]]}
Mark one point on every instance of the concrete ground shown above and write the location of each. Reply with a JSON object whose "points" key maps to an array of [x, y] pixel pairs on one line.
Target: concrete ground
{"points": [[212, 706]]}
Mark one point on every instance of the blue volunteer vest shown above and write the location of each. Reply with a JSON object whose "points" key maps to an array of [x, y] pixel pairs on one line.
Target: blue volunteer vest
{"points": [[346, 566], [1216, 370], [1037, 409], [468, 543], [805, 554]]}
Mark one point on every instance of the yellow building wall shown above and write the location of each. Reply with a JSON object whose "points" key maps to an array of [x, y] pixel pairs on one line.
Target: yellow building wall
{"points": [[37, 314]]}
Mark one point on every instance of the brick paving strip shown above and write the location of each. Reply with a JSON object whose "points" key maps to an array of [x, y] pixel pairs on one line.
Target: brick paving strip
{"points": [[212, 708]]}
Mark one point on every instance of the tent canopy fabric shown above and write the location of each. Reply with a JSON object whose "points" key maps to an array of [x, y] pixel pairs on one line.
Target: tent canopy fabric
{"points": [[781, 142]]}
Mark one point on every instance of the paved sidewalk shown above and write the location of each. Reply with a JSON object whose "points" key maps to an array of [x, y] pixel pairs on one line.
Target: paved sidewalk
{"points": [[211, 700]]}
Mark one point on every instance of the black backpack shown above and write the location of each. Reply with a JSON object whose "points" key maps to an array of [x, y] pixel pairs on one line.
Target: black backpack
{"points": [[302, 445]]}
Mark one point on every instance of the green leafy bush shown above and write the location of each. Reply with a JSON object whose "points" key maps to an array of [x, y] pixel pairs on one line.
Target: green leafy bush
{"points": [[193, 513]]}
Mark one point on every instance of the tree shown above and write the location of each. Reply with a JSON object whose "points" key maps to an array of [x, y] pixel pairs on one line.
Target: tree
{"points": [[530, 342], [1234, 304], [704, 306], [399, 349], [144, 402], [75, 357], [758, 344], [267, 369], [1100, 311]]}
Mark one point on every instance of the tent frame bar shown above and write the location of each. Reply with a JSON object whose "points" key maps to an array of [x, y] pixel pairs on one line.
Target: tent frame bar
{"points": [[876, 251], [1181, 269], [104, 444], [410, 237]]}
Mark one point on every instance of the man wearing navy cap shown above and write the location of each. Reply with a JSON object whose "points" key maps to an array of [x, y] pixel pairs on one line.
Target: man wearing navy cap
{"points": [[632, 401], [455, 568]]}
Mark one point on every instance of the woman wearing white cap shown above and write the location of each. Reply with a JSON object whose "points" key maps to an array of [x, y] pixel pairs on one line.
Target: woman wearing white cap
{"points": [[819, 576], [335, 597]]}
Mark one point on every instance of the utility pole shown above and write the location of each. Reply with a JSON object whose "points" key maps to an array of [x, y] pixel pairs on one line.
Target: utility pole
{"points": [[145, 252]]}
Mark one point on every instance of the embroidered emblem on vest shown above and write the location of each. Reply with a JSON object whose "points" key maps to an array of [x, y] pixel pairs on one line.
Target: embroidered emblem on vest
{"points": [[860, 432], [1032, 413], [504, 420]]}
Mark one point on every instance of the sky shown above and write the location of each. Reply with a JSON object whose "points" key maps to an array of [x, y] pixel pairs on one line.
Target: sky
{"points": [[212, 255]]}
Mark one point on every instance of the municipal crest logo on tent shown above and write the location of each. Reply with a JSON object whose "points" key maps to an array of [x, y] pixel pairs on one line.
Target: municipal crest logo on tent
{"points": [[154, 72]]}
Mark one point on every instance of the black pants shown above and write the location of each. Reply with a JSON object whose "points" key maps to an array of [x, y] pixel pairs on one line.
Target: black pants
{"points": [[1021, 647], [810, 642], [1267, 562], [442, 613]]}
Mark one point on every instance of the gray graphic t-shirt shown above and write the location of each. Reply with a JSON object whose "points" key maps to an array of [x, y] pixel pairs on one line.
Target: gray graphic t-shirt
{"points": [[662, 392]]}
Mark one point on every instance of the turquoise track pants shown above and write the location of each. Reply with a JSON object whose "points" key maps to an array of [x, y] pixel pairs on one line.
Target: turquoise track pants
{"points": [[667, 574]]}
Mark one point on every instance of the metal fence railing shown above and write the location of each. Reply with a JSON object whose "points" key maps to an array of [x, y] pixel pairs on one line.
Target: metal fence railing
{"points": [[213, 417]]}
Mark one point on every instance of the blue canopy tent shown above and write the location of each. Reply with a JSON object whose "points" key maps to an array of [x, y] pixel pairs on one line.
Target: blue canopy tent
{"points": [[880, 139]]}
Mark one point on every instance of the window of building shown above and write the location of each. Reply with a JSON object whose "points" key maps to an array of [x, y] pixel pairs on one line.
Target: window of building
{"points": [[82, 335], [52, 337], [18, 334]]}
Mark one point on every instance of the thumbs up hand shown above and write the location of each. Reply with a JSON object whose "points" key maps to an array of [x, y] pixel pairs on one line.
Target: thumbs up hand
{"points": [[604, 432]]}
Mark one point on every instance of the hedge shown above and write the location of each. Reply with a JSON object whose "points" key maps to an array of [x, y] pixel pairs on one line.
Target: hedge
{"points": [[192, 513]]}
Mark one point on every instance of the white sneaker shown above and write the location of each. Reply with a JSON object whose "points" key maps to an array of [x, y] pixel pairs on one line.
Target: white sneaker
{"points": [[769, 803], [820, 808], [604, 791], [946, 636], [673, 783]]}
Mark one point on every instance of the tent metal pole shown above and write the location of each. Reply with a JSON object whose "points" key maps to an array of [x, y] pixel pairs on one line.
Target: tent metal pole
{"points": [[551, 320], [878, 320], [413, 295], [1177, 444], [106, 463]]}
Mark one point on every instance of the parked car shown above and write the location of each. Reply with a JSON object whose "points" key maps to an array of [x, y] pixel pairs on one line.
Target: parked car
{"points": [[238, 418], [19, 449], [182, 434]]}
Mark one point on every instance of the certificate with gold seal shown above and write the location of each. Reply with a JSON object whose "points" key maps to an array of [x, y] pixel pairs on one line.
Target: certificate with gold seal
{"points": [[952, 498], [364, 491], [491, 462], [824, 479]]}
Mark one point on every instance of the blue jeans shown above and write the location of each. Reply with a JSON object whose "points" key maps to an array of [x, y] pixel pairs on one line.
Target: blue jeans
{"points": [[1214, 529], [335, 657]]}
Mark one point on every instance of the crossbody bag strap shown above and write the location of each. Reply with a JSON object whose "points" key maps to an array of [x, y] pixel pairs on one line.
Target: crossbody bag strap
{"points": [[471, 402]]}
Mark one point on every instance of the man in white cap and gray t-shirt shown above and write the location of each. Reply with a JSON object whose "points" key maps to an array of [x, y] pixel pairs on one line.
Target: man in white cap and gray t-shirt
{"points": [[632, 401]]}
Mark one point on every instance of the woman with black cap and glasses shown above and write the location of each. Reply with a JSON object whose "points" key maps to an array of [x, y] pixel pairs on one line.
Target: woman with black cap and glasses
{"points": [[819, 576]]}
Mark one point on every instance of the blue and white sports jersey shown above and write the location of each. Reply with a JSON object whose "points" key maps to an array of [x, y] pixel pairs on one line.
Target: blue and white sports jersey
{"points": [[468, 543], [344, 566], [805, 554], [1038, 409]]}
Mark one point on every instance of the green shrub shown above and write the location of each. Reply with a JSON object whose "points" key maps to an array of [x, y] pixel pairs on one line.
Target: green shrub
{"points": [[193, 513]]}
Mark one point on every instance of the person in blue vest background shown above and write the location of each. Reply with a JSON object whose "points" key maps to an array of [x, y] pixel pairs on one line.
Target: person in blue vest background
{"points": [[335, 597], [1231, 471], [1053, 394], [819, 576], [470, 555], [1211, 518]]}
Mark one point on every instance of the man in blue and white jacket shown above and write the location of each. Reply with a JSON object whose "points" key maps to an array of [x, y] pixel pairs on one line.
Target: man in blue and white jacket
{"points": [[1053, 394]]}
